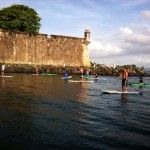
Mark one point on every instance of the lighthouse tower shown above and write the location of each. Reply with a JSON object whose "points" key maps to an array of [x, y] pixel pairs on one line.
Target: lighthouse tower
{"points": [[85, 55], [87, 36]]}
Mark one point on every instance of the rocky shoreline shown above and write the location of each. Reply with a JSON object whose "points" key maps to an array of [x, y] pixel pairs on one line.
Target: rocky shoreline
{"points": [[98, 68]]}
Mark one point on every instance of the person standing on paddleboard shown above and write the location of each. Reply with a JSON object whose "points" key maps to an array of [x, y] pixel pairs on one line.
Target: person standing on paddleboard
{"points": [[3, 69], [124, 78], [36, 70], [81, 71], [65, 73]]}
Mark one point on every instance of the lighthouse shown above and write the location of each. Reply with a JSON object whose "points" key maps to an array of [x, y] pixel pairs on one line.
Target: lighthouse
{"points": [[87, 36]]}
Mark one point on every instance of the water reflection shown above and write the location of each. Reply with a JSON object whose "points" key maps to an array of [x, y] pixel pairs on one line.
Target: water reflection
{"points": [[2, 83], [124, 98], [124, 106], [83, 91]]}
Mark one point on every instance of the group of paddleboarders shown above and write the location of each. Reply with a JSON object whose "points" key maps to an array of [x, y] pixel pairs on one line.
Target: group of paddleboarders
{"points": [[123, 75]]}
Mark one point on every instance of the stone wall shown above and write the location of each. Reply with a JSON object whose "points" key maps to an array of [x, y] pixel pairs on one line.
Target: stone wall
{"points": [[21, 48]]}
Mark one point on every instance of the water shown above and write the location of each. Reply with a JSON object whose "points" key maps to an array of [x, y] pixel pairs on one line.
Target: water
{"points": [[40, 112]]}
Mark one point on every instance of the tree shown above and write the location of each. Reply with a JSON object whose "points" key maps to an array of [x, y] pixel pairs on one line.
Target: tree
{"points": [[20, 18]]}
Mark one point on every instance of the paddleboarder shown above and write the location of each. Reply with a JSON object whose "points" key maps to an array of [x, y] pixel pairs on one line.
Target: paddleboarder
{"points": [[87, 72], [65, 73], [37, 70], [3, 69], [81, 71], [124, 78]]}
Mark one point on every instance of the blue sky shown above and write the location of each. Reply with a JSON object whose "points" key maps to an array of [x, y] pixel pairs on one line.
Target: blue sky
{"points": [[120, 30]]}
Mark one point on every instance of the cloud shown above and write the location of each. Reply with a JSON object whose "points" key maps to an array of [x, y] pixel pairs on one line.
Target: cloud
{"points": [[136, 43], [126, 31], [102, 49], [145, 14], [138, 39], [139, 60], [128, 46]]}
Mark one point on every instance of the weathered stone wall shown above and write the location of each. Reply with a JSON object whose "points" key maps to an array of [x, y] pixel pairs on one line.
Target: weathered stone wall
{"points": [[20, 48]]}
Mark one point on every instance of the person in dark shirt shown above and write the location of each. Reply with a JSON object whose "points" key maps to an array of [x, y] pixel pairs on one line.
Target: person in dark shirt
{"points": [[65, 73], [141, 80]]}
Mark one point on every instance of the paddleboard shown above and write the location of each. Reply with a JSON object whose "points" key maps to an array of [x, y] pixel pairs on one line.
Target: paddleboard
{"points": [[86, 77], [34, 74], [69, 77], [90, 77], [139, 84], [80, 81], [49, 74], [119, 92], [93, 78], [6, 76]]}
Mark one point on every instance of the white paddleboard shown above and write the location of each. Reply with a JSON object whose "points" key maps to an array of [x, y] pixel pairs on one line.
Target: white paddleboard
{"points": [[93, 78], [6, 76], [119, 92], [81, 81], [34, 74], [69, 77]]}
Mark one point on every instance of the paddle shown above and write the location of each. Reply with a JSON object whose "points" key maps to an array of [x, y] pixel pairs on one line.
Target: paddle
{"points": [[140, 92]]}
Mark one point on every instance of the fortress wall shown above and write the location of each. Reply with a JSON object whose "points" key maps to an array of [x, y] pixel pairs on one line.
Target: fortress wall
{"points": [[19, 48]]}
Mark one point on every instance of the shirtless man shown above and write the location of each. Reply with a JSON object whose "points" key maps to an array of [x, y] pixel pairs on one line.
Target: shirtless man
{"points": [[124, 77]]}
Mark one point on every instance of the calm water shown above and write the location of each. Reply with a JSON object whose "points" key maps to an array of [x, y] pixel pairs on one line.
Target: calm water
{"points": [[46, 113]]}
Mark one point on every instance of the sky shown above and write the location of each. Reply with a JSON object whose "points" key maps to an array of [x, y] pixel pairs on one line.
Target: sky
{"points": [[120, 29]]}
